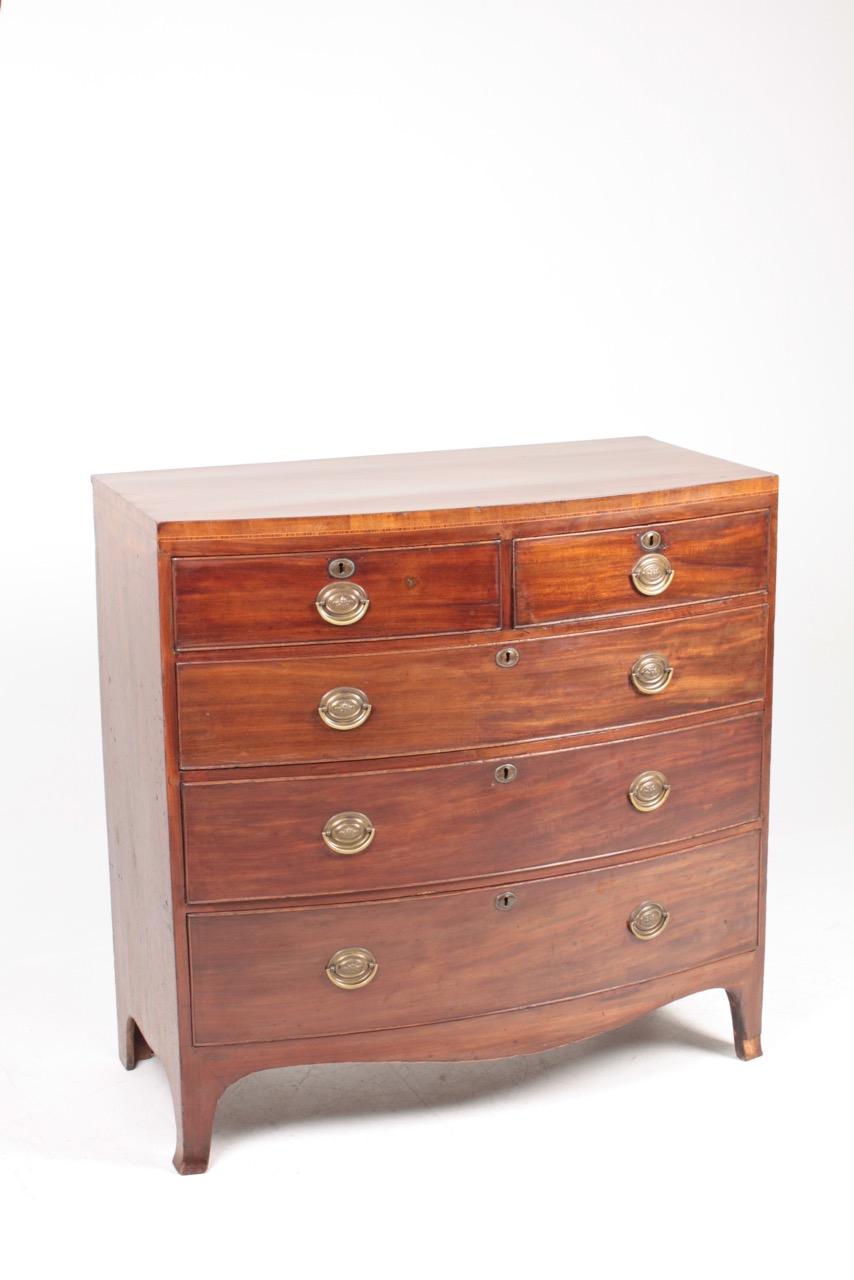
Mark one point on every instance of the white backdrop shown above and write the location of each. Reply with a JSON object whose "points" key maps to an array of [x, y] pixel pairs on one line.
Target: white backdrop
{"points": [[278, 230]]}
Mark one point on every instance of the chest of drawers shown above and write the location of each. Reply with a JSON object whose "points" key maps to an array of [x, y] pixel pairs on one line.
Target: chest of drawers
{"points": [[431, 756]]}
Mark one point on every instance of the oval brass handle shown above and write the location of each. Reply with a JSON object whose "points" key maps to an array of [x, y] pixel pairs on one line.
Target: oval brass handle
{"points": [[652, 574], [649, 790], [342, 603], [348, 833], [651, 673], [352, 967], [648, 920], [344, 708]]}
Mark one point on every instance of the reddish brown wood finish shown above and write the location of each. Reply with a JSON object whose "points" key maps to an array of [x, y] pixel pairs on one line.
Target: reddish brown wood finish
{"points": [[135, 777], [264, 600], [442, 500], [259, 975], [262, 838], [431, 490], [521, 1031], [265, 711], [529, 1030], [589, 574]]}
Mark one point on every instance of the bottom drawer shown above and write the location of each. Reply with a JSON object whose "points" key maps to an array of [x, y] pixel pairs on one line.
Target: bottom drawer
{"points": [[262, 975]]}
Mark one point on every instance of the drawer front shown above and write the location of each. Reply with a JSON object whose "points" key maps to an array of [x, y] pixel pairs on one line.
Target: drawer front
{"points": [[590, 574], [262, 975], [435, 699], [265, 838], [264, 600]]}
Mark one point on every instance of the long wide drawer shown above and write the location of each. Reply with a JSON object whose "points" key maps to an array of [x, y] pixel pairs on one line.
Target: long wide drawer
{"points": [[677, 562], [317, 595], [268, 711], [267, 975], [392, 828]]}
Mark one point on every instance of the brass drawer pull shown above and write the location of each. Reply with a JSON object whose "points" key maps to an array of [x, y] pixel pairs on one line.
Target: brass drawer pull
{"points": [[348, 833], [351, 967], [648, 920], [342, 603], [344, 708], [652, 574], [651, 673], [649, 790]]}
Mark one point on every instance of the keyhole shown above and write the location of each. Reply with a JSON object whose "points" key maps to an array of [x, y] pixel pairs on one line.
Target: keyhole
{"points": [[505, 901], [507, 657], [342, 568], [650, 540], [505, 773]]}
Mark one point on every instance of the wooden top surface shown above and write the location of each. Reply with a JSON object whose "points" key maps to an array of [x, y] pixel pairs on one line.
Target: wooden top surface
{"points": [[505, 481]]}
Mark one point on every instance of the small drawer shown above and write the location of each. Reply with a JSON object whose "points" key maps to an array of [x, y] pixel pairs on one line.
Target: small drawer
{"points": [[397, 828], [298, 972], [271, 600], [399, 702], [648, 566]]}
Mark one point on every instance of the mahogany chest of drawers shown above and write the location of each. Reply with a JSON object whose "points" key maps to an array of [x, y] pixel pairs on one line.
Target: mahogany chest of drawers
{"points": [[431, 756]]}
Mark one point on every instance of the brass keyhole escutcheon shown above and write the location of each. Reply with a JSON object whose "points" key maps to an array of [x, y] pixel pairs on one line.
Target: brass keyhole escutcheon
{"points": [[506, 773], [344, 708], [505, 901], [652, 574], [651, 673], [648, 920], [348, 833], [507, 657], [351, 967], [342, 567], [342, 604], [649, 790], [651, 540]]}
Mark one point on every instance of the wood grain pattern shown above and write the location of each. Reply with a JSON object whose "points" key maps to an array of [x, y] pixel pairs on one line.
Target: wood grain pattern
{"points": [[247, 724], [260, 975], [589, 574], [489, 1036], [518, 1031], [267, 600], [476, 524], [135, 779], [265, 711], [262, 838], [430, 490]]}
